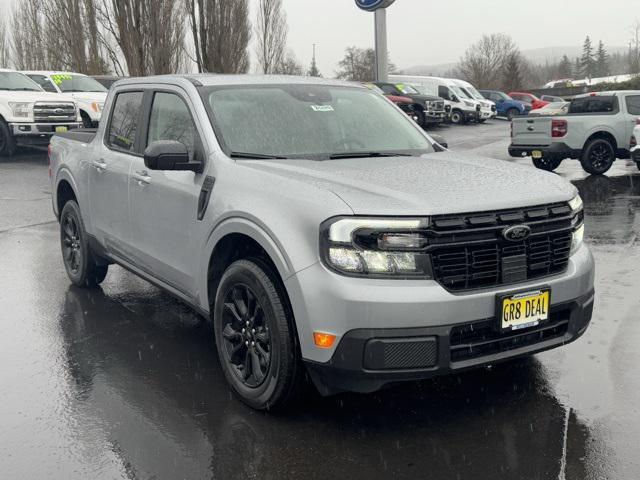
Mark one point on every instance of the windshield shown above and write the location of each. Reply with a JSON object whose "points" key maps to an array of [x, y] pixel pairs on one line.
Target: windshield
{"points": [[474, 93], [407, 89], [76, 83], [17, 81], [459, 92], [310, 121]]}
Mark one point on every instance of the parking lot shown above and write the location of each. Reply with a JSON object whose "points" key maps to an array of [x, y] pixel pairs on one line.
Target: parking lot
{"points": [[124, 381]]}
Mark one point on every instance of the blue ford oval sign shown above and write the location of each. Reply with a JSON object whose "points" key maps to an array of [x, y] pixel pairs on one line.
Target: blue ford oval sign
{"points": [[371, 5]]}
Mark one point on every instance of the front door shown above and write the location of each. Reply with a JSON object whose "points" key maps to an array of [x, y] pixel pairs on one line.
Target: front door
{"points": [[164, 204], [109, 174]]}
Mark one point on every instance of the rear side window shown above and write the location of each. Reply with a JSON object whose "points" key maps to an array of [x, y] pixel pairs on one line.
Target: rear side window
{"points": [[633, 104], [170, 120], [124, 121], [597, 104]]}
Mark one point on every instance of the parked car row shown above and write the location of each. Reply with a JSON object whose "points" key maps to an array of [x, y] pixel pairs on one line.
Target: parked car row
{"points": [[36, 104]]}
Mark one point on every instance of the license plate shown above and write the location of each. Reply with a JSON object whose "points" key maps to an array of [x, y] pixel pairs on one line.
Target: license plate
{"points": [[62, 129], [524, 310], [536, 154]]}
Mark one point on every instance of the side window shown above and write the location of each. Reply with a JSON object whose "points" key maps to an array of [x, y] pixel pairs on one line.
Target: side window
{"points": [[443, 92], [44, 82], [170, 120], [388, 89], [633, 104], [124, 121]]}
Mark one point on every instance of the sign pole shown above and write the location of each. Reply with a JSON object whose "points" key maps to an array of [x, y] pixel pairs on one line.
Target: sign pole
{"points": [[382, 56]]}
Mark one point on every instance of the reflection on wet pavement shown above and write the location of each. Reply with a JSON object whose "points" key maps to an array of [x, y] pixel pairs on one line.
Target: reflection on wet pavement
{"points": [[123, 382]]}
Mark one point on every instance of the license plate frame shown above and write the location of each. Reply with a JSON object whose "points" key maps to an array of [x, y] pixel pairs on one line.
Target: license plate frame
{"points": [[61, 129], [537, 154], [528, 321]]}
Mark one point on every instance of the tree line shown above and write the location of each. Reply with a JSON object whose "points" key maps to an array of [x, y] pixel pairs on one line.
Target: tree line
{"points": [[147, 37], [495, 62]]}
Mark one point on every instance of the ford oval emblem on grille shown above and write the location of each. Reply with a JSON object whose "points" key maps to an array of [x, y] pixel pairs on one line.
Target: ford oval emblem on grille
{"points": [[517, 233], [58, 111]]}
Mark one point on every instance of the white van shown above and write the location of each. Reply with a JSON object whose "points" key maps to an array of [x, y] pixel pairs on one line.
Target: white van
{"points": [[487, 107], [463, 108]]}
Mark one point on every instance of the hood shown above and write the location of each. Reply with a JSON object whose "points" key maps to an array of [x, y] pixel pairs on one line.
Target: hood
{"points": [[433, 184], [89, 97], [32, 97], [422, 98]]}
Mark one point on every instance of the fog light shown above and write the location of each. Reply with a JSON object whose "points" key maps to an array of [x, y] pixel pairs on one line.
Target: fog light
{"points": [[323, 340]]}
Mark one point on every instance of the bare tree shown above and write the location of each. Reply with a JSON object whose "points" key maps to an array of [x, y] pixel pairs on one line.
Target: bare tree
{"points": [[484, 62], [5, 53], [359, 64], [27, 36], [149, 34], [221, 32], [634, 48], [289, 65], [271, 30]]}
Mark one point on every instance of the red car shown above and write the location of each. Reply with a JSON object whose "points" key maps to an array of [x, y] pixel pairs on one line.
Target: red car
{"points": [[529, 98], [405, 103]]}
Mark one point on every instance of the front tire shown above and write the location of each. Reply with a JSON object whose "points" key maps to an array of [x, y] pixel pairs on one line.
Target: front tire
{"points": [[7, 142], [255, 336], [598, 156], [548, 164], [79, 259], [457, 117]]}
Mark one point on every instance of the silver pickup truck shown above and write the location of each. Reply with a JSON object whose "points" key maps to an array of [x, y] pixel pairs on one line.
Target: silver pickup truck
{"points": [[314, 223], [597, 130]]}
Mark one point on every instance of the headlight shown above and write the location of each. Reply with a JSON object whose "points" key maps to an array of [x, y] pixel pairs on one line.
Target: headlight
{"points": [[468, 104], [577, 208], [376, 247], [21, 109]]}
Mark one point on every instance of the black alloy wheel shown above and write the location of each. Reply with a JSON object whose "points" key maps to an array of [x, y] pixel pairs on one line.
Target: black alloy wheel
{"points": [[598, 156], [71, 245], [247, 341]]}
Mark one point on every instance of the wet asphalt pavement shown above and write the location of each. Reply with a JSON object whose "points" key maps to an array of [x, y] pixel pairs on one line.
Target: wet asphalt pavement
{"points": [[123, 382]]}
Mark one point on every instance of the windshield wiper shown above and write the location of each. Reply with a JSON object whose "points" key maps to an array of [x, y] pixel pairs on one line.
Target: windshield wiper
{"points": [[23, 89], [337, 156], [256, 156]]}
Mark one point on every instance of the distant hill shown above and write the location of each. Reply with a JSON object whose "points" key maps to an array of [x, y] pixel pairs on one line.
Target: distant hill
{"points": [[536, 55]]}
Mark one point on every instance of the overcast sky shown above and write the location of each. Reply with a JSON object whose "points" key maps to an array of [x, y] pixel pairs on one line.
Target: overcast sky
{"points": [[428, 32]]}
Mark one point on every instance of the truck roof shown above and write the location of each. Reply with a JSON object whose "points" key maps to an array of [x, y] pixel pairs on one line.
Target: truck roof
{"points": [[52, 72], [210, 79], [608, 93]]}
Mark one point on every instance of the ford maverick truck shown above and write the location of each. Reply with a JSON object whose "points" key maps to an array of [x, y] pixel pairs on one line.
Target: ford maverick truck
{"points": [[315, 225]]}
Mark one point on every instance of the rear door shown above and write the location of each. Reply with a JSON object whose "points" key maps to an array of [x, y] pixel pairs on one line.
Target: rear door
{"points": [[109, 173], [164, 204], [532, 131]]}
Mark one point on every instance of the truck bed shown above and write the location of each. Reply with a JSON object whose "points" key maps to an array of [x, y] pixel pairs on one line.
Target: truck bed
{"points": [[84, 135]]}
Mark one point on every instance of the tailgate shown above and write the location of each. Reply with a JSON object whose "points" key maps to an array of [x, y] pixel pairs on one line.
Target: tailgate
{"points": [[532, 131]]}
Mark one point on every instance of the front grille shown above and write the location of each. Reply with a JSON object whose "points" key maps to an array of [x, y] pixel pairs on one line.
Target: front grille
{"points": [[470, 252], [474, 340], [438, 106], [493, 108], [54, 112], [400, 353]]}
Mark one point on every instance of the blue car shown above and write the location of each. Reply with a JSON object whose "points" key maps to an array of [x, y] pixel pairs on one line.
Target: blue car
{"points": [[505, 105]]}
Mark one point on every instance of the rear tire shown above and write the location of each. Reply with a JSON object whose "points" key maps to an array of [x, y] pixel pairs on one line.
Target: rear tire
{"points": [[457, 117], [7, 142], [598, 156], [79, 259], [548, 164], [512, 113], [255, 336]]}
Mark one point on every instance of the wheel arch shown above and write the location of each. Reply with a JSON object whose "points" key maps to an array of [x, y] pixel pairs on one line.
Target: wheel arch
{"points": [[233, 239], [604, 134], [65, 190]]}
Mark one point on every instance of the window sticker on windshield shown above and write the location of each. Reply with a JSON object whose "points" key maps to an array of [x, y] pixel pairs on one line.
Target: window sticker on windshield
{"points": [[58, 78], [322, 108]]}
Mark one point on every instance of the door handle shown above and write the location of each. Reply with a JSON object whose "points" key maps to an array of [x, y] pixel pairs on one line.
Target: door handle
{"points": [[99, 165], [142, 177]]}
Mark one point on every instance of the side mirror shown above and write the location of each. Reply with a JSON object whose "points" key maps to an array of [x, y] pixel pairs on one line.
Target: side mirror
{"points": [[169, 155], [455, 99]]}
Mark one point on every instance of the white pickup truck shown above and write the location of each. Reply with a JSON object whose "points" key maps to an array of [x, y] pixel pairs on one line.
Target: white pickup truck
{"points": [[596, 131], [30, 116]]}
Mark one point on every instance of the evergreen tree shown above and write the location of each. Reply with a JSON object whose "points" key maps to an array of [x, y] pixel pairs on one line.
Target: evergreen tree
{"points": [[577, 69], [602, 68], [565, 68], [313, 69], [512, 80], [587, 62]]}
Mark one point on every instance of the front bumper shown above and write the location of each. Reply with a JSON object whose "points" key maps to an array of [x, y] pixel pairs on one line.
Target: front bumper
{"points": [[358, 311], [38, 133], [557, 150], [435, 117]]}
